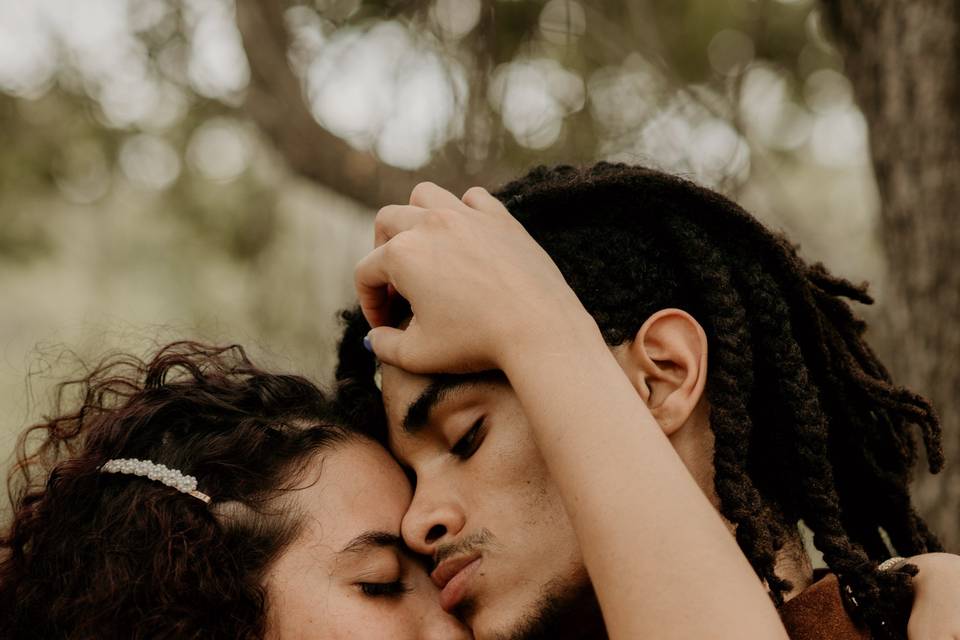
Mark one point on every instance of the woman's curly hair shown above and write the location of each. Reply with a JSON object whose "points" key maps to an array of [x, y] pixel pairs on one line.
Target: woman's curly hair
{"points": [[94, 555]]}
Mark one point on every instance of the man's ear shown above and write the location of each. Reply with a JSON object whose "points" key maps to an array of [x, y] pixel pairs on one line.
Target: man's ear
{"points": [[667, 364]]}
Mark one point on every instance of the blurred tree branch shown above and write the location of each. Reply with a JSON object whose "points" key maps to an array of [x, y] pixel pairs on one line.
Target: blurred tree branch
{"points": [[485, 153], [276, 104], [902, 60]]}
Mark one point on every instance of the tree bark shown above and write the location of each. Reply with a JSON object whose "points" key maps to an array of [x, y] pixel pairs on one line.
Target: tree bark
{"points": [[903, 59]]}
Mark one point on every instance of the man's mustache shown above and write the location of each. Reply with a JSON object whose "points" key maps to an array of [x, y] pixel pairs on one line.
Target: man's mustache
{"points": [[467, 545]]}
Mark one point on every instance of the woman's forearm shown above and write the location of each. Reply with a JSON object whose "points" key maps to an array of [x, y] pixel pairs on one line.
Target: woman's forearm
{"points": [[656, 550]]}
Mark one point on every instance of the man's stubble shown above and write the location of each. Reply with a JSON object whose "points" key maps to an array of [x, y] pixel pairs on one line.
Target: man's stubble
{"points": [[566, 610]]}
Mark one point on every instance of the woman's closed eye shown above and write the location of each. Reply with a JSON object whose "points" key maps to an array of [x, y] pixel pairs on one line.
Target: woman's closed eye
{"points": [[381, 573], [384, 589]]}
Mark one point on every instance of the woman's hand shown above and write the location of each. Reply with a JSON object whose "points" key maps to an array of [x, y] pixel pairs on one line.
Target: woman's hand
{"points": [[936, 603], [477, 283]]}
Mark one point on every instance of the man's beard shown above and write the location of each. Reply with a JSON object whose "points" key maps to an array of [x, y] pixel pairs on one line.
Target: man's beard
{"points": [[566, 610]]}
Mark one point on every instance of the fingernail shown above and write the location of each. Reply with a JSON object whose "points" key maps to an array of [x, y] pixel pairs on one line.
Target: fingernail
{"points": [[366, 343]]}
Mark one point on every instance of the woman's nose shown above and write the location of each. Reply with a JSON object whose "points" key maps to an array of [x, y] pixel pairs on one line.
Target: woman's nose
{"points": [[443, 626]]}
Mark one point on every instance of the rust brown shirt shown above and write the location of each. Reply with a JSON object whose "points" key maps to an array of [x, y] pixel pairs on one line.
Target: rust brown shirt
{"points": [[817, 613]]}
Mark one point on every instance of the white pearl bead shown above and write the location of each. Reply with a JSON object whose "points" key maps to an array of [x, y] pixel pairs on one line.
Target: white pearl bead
{"points": [[157, 472]]}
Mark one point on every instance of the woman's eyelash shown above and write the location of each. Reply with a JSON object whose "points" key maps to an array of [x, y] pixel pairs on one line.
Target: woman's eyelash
{"points": [[384, 589], [467, 445]]}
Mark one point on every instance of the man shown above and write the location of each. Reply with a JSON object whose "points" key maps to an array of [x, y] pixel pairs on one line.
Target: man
{"points": [[797, 420]]}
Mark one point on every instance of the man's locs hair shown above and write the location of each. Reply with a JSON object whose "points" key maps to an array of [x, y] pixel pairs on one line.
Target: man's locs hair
{"points": [[807, 423]]}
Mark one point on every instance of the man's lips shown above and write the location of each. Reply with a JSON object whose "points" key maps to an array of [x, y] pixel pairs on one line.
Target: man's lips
{"points": [[452, 576]]}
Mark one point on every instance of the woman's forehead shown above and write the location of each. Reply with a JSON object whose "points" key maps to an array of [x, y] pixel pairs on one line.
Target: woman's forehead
{"points": [[359, 488]]}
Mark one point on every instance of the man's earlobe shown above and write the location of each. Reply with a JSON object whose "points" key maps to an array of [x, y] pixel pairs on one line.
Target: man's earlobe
{"points": [[667, 363]]}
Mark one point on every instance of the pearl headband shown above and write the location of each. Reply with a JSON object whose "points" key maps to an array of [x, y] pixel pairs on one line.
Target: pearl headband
{"points": [[158, 472]]}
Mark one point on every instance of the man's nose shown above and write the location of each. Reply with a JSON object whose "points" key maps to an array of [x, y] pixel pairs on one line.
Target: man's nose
{"points": [[434, 516]]}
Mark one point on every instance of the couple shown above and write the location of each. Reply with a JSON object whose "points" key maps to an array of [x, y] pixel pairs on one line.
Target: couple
{"points": [[576, 429]]}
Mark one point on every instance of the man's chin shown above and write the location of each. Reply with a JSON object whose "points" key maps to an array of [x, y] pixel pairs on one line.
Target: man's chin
{"points": [[563, 611]]}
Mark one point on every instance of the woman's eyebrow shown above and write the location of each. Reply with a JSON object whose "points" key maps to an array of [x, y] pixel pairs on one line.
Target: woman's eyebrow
{"points": [[374, 540]]}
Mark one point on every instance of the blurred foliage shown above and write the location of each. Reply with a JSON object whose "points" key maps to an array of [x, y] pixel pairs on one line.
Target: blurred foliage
{"points": [[569, 81], [513, 82], [148, 161]]}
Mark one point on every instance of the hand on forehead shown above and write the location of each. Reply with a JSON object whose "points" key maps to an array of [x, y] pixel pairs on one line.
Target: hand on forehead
{"points": [[428, 202], [475, 280]]}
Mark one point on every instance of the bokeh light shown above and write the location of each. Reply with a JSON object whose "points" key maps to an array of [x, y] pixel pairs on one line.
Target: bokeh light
{"points": [[27, 58], [533, 97], [562, 21], [220, 149], [217, 67], [623, 97], [378, 87], [455, 18], [149, 161], [839, 138]]}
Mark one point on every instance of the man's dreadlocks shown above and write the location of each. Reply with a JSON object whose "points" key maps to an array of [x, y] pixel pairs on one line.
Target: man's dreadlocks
{"points": [[807, 423]]}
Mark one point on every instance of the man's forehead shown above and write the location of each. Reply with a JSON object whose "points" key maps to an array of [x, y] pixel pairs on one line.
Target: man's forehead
{"points": [[400, 388], [411, 398]]}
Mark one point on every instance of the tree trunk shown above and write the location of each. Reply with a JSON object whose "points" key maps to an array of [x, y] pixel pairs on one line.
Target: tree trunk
{"points": [[903, 59]]}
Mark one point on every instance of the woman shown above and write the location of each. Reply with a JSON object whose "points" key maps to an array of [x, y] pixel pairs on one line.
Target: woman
{"points": [[270, 517]]}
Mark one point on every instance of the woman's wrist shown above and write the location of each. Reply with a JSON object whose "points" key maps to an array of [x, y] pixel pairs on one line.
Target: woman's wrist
{"points": [[563, 334]]}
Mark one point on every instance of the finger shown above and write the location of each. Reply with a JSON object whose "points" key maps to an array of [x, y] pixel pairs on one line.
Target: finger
{"points": [[385, 343], [430, 196], [403, 348], [399, 348], [393, 219], [371, 279], [480, 199]]}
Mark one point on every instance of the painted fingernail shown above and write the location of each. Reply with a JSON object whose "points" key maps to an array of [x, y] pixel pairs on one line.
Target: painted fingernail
{"points": [[366, 343]]}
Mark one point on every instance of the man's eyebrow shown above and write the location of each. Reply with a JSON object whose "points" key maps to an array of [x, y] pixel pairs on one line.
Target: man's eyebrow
{"points": [[418, 413], [374, 539]]}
